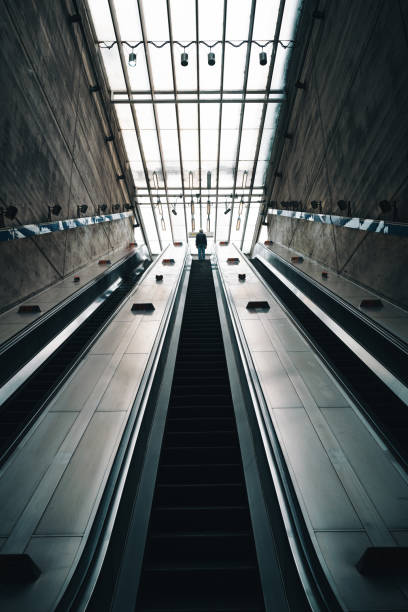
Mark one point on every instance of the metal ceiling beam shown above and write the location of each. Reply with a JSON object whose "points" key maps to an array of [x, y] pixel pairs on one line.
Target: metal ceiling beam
{"points": [[241, 119], [229, 188], [262, 124], [170, 92], [198, 95], [135, 122], [199, 100], [224, 28], [175, 92], [156, 121]]}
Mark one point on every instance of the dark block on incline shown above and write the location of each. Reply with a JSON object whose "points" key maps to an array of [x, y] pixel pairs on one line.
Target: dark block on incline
{"points": [[261, 304], [18, 569], [378, 560]]}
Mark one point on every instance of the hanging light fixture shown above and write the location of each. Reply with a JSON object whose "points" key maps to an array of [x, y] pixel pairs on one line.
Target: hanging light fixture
{"points": [[208, 207], [263, 59], [184, 58], [190, 180], [208, 223], [238, 223], [241, 207], [163, 225], [132, 59], [192, 224], [244, 179], [173, 210], [192, 206], [155, 180], [160, 207], [211, 58]]}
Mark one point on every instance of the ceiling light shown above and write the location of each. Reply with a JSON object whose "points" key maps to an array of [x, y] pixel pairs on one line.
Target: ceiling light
{"points": [[208, 207], [385, 206], [53, 210], [238, 223], [116, 206], [163, 225], [103, 207], [208, 224], [343, 205], [173, 210], [190, 180], [192, 207], [184, 59], [9, 212], [160, 207], [155, 180], [244, 179], [192, 224], [315, 204], [263, 59], [211, 59], [208, 180], [82, 209], [226, 211], [132, 59], [241, 207]]}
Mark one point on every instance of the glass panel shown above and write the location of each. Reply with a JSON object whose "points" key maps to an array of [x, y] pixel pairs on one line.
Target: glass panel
{"points": [[138, 174], [210, 114], [189, 147], [173, 174], [128, 19], [138, 76], [124, 116], [113, 68], [161, 67], [166, 114], [148, 220], [209, 75], [145, 116], [101, 19], [238, 20], [266, 15], [209, 144], [261, 172], [257, 74], [229, 142], [149, 144], [248, 145], [252, 116], [234, 66], [279, 71], [132, 146], [188, 116], [252, 219], [170, 148], [290, 18]]}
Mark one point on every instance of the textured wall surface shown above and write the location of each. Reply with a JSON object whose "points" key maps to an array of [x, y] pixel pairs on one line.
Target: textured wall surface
{"points": [[350, 135], [52, 147]]}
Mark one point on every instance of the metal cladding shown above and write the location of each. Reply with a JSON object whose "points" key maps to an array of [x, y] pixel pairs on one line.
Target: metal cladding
{"points": [[39, 229], [365, 225]]}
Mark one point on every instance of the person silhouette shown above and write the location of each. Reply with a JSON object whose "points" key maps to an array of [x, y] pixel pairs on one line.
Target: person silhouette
{"points": [[201, 244]]}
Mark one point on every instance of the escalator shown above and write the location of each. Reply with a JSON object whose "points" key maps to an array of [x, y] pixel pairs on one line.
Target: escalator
{"points": [[200, 551], [386, 411], [20, 410]]}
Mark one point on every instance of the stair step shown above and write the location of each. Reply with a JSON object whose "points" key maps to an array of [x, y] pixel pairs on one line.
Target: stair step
{"points": [[200, 473]]}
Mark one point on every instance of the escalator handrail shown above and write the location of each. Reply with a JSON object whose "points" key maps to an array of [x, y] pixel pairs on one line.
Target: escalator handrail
{"points": [[319, 587], [5, 346], [374, 362], [375, 326], [79, 585]]}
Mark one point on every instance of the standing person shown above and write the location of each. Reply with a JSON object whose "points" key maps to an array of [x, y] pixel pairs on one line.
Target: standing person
{"points": [[201, 244]]}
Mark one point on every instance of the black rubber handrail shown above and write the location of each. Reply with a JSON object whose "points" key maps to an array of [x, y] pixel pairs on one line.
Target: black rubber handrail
{"points": [[389, 350], [18, 350]]}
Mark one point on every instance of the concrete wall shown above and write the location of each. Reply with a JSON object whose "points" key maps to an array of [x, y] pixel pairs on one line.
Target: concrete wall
{"points": [[52, 147], [350, 139]]}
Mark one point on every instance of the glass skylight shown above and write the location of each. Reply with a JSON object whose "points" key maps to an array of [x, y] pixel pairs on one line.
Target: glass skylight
{"points": [[192, 124]]}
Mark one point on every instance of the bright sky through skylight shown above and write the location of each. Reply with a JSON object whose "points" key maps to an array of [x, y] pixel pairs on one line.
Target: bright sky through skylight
{"points": [[174, 132]]}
